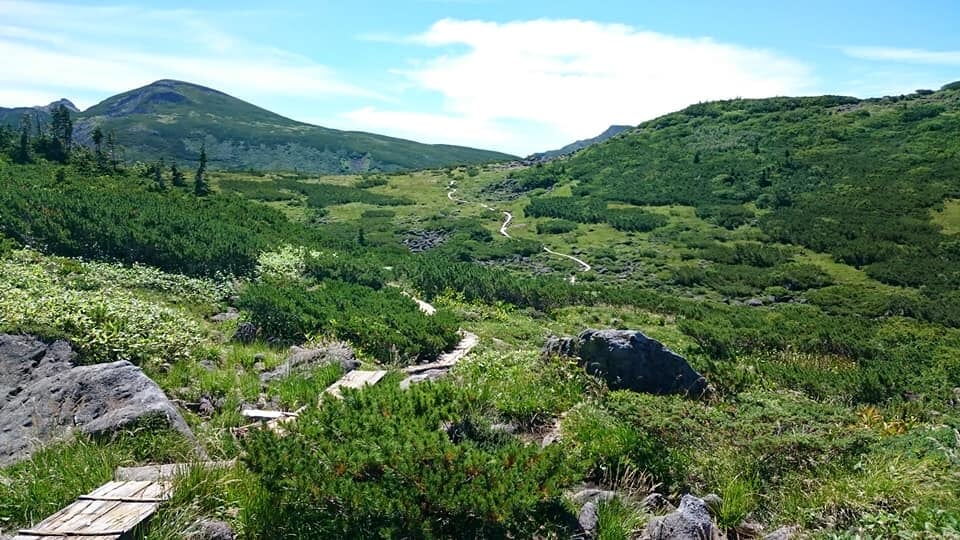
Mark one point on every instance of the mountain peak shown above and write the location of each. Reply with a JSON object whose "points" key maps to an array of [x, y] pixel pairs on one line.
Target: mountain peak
{"points": [[62, 101]]}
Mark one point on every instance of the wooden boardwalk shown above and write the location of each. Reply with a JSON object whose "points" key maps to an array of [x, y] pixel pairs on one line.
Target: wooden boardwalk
{"points": [[114, 511]]}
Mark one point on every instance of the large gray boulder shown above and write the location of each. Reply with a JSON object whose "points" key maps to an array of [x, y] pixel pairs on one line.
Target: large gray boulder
{"points": [[44, 396], [627, 359], [691, 521]]}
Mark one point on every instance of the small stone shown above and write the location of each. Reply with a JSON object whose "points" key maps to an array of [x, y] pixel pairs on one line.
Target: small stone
{"points": [[589, 520], [593, 495], [784, 533], [206, 407], [656, 503], [230, 315], [691, 521], [714, 503], [210, 529], [246, 333]]}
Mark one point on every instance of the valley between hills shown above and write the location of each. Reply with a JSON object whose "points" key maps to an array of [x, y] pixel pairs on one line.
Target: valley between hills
{"points": [[738, 320]]}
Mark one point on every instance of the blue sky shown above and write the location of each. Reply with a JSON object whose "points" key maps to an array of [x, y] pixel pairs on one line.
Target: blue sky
{"points": [[518, 76]]}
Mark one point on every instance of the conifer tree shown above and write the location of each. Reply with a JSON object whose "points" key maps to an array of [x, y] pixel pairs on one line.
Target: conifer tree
{"points": [[176, 176], [62, 132], [200, 186], [22, 153], [112, 152], [98, 149], [158, 176]]}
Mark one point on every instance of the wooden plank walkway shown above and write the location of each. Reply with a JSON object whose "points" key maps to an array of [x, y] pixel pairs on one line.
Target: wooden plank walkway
{"points": [[355, 379], [274, 420], [111, 512]]}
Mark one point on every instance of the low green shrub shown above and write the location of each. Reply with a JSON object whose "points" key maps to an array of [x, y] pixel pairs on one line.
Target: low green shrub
{"points": [[379, 464], [556, 226], [385, 323]]}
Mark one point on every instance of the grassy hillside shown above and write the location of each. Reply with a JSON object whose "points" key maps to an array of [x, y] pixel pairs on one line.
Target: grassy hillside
{"points": [[835, 406], [858, 179], [171, 119]]}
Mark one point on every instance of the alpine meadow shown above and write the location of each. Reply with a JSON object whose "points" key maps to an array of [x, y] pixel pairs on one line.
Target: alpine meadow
{"points": [[738, 320]]}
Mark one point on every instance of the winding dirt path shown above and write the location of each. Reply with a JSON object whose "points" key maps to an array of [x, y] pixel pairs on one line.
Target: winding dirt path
{"points": [[584, 266], [508, 217]]}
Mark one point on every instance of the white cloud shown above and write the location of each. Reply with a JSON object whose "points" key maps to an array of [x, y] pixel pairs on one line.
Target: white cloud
{"points": [[574, 78], [100, 50], [914, 56], [431, 128]]}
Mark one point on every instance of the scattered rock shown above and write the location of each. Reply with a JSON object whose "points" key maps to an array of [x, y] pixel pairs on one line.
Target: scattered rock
{"points": [[589, 520], [208, 364], [211, 529], [784, 533], [714, 503], [300, 359], [245, 333], [657, 503], [627, 359], [593, 495], [231, 314], [428, 375], [44, 396], [551, 435], [206, 407], [691, 521], [420, 240]]}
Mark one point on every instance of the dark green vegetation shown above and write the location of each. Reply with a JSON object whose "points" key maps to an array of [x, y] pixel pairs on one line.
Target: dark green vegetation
{"points": [[172, 119], [384, 323], [119, 217], [331, 482], [800, 252]]}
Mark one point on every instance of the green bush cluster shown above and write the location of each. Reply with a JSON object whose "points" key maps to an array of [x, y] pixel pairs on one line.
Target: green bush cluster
{"points": [[594, 211], [556, 226], [321, 195], [120, 219], [379, 463], [385, 323]]}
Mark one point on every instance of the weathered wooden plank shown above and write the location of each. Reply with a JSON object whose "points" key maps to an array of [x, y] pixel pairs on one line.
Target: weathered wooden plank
{"points": [[124, 499], [166, 472], [355, 379], [59, 536], [106, 513], [34, 533]]}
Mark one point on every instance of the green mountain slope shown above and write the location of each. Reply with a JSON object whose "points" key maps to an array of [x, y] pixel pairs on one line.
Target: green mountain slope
{"points": [[12, 116], [611, 131], [172, 119], [858, 179]]}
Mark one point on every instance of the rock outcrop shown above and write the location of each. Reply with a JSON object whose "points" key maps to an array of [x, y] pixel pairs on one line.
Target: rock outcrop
{"points": [[302, 359], [627, 359], [691, 521], [44, 396]]}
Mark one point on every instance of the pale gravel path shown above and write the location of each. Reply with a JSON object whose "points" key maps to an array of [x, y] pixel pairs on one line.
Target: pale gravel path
{"points": [[508, 217]]}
